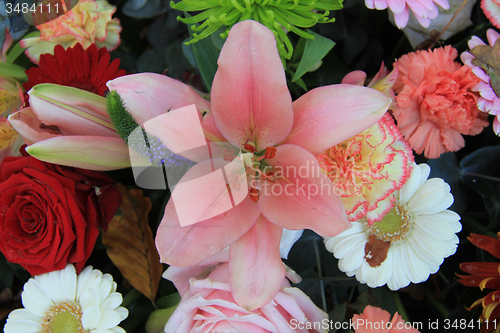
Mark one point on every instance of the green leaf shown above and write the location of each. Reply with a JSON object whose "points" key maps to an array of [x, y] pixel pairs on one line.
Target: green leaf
{"points": [[337, 316], [157, 320], [446, 167], [17, 50], [314, 50], [13, 70], [481, 172], [206, 54], [168, 301]]}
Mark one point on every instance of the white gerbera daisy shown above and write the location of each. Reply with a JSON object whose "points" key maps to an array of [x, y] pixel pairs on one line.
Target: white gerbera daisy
{"points": [[409, 243], [62, 302]]}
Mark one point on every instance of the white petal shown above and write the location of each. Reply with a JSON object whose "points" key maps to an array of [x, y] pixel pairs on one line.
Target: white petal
{"points": [[89, 298], [68, 282], [399, 278], [440, 206], [104, 289], [419, 270], [288, 238], [34, 299], [92, 281], [118, 330], [83, 277], [434, 227], [122, 311], [331, 242], [22, 325], [109, 319], [378, 276], [426, 197], [354, 258], [348, 244], [411, 185], [429, 254], [91, 317], [112, 301]]}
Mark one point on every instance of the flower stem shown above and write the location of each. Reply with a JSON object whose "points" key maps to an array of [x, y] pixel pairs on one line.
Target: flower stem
{"points": [[449, 23], [131, 297], [400, 306], [321, 285]]}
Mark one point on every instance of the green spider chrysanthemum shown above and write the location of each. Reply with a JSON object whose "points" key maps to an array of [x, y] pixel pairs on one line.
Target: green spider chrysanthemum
{"points": [[274, 14]]}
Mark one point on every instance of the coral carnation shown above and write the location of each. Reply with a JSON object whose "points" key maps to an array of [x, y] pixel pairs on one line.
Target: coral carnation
{"points": [[435, 103], [88, 69], [376, 320], [87, 23], [367, 168]]}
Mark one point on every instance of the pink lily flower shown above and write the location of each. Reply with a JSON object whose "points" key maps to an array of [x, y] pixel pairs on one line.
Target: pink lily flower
{"points": [[69, 126], [251, 109]]}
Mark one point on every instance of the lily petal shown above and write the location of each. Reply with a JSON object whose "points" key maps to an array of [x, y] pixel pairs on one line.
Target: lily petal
{"points": [[188, 245], [147, 95], [73, 111], [181, 132], [30, 127], [326, 116], [250, 98], [301, 197], [255, 268], [86, 152]]}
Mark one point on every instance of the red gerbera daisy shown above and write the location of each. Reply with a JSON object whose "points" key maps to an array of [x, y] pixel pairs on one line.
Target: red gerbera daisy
{"points": [[485, 275], [88, 69]]}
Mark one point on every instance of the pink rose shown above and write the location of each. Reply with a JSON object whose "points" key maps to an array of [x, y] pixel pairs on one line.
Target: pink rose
{"points": [[208, 305]]}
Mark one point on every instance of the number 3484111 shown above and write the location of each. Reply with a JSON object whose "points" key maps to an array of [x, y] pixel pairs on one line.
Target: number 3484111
{"points": [[26, 8]]}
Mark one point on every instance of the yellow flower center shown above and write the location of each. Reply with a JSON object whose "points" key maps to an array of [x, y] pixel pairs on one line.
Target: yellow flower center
{"points": [[394, 227], [65, 317]]}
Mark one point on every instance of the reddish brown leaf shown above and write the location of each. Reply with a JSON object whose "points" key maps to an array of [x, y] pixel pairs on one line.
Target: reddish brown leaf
{"points": [[130, 244], [487, 59], [376, 251]]}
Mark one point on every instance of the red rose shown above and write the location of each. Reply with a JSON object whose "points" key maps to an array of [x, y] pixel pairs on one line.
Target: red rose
{"points": [[50, 215]]}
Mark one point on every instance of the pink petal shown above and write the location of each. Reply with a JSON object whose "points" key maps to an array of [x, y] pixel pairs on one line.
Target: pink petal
{"points": [[30, 127], [73, 111], [205, 184], [147, 95], [443, 4], [492, 36], [312, 312], [397, 6], [86, 152], [355, 77], [180, 276], [326, 116], [255, 267], [181, 132], [187, 246], [250, 98], [380, 4], [301, 197], [402, 18], [475, 41]]}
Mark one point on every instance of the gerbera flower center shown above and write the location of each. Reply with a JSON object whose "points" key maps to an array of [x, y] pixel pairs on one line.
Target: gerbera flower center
{"points": [[395, 226], [65, 317]]}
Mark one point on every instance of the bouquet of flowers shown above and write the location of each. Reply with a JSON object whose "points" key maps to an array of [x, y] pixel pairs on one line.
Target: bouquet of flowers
{"points": [[249, 166]]}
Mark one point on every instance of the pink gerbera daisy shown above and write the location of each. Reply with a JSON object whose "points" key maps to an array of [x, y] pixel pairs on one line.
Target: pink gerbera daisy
{"points": [[489, 101], [424, 11]]}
